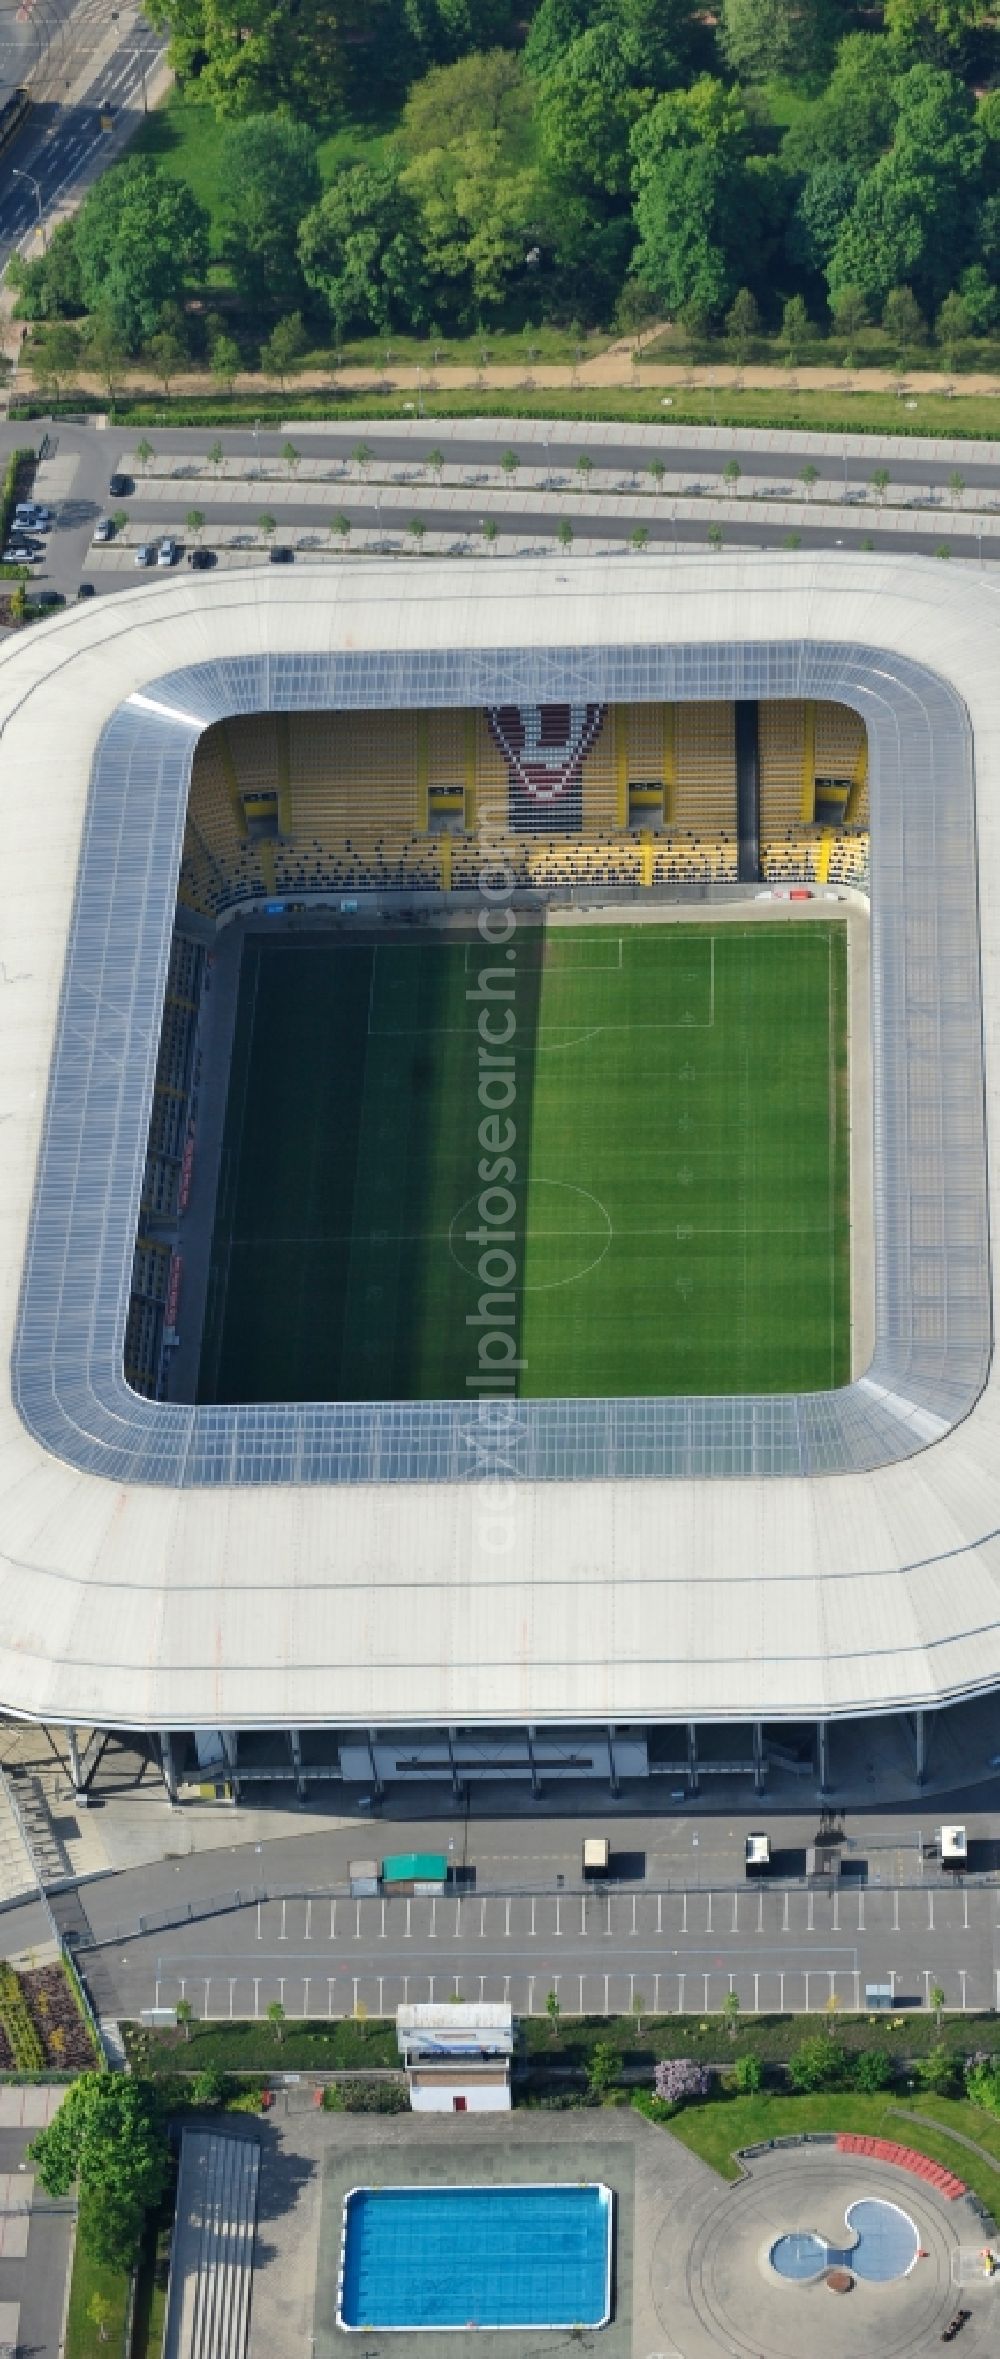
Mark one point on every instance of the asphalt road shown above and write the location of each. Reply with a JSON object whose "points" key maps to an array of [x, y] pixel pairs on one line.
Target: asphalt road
{"points": [[97, 54]]}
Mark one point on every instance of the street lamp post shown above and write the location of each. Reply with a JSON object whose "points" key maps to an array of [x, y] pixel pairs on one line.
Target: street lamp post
{"points": [[17, 174], [139, 60]]}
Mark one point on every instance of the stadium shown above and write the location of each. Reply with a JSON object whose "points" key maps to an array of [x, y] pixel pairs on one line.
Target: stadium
{"points": [[496, 1089]]}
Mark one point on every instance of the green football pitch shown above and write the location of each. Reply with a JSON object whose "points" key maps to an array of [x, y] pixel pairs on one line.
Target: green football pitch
{"points": [[680, 1219]]}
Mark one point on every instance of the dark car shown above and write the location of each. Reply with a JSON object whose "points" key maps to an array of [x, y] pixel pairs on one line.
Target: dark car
{"points": [[87, 590], [282, 555], [201, 559], [49, 598], [120, 487]]}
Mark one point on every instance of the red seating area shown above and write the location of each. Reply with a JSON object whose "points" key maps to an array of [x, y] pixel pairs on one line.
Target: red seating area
{"points": [[884, 2150]]}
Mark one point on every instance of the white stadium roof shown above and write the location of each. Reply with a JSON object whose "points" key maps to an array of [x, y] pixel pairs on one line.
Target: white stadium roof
{"points": [[163, 1567]]}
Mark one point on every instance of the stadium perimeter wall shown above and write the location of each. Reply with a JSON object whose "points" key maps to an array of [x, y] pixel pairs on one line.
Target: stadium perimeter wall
{"points": [[828, 1556]]}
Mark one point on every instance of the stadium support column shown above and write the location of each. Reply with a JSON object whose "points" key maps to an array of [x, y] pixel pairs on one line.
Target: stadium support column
{"points": [[692, 1758], [167, 1764], [75, 1763], [823, 1756], [748, 790], [920, 1732], [758, 1757], [295, 1748], [613, 1777]]}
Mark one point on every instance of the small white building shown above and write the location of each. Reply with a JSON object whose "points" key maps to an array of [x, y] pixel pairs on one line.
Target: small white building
{"points": [[457, 2057]]}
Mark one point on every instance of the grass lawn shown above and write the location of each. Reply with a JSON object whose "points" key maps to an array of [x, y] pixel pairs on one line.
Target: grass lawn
{"points": [[715, 2130], [345, 2046], [83, 2339], [679, 1108]]}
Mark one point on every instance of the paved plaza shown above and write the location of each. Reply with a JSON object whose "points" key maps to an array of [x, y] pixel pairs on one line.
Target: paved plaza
{"points": [[692, 2278]]}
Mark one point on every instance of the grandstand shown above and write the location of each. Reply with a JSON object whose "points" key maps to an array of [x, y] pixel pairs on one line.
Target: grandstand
{"points": [[637, 1564], [310, 803]]}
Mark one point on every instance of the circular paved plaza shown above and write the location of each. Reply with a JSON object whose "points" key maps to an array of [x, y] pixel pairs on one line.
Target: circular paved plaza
{"points": [[713, 2290]]}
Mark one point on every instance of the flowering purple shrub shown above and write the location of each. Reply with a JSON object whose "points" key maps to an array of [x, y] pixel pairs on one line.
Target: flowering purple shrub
{"points": [[679, 2078]]}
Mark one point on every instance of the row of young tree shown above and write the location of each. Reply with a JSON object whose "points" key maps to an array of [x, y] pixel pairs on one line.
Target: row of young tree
{"points": [[623, 163]]}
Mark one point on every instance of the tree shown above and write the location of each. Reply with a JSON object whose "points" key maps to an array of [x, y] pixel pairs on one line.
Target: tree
{"points": [[105, 351], [209, 2086], [100, 2311], [809, 476], [795, 327], [693, 202], [184, 2010], [435, 461], [715, 537], [762, 39], [585, 110], [603, 2068], [510, 464], [195, 521], [489, 530], [55, 353], [874, 2069], [360, 248], [341, 525], [657, 472], [362, 455], [936, 2000], [903, 319], [678, 2080], [748, 2075], [852, 124], [951, 326], [270, 178], [291, 456], [553, 2010], [933, 28], [639, 537], [267, 525], [143, 452], [285, 347], [880, 482], [168, 356], [731, 473], [215, 456], [956, 486], [108, 2137], [224, 361], [416, 528], [141, 238], [742, 323], [938, 2071], [822, 207], [584, 467], [731, 2012], [468, 173], [249, 56], [638, 2010], [981, 299], [816, 2064], [276, 2012], [849, 309], [564, 533]]}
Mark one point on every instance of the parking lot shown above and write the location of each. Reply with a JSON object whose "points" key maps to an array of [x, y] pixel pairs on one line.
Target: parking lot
{"points": [[795, 1951]]}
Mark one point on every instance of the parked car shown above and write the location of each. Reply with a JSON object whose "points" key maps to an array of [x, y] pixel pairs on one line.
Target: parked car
{"points": [[104, 529], [31, 518], [121, 487], [282, 554], [166, 553], [49, 598], [19, 554], [145, 553], [201, 559], [86, 590]]}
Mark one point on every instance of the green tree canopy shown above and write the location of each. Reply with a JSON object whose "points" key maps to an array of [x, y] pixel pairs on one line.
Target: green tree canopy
{"points": [[585, 111], [269, 178], [823, 205], [913, 216], [251, 56], [764, 38], [469, 171], [108, 2138], [852, 123], [360, 248], [141, 237], [685, 215]]}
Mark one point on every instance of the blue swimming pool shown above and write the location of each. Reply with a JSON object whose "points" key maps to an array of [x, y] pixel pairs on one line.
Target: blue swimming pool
{"points": [[440, 2257], [884, 2247]]}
